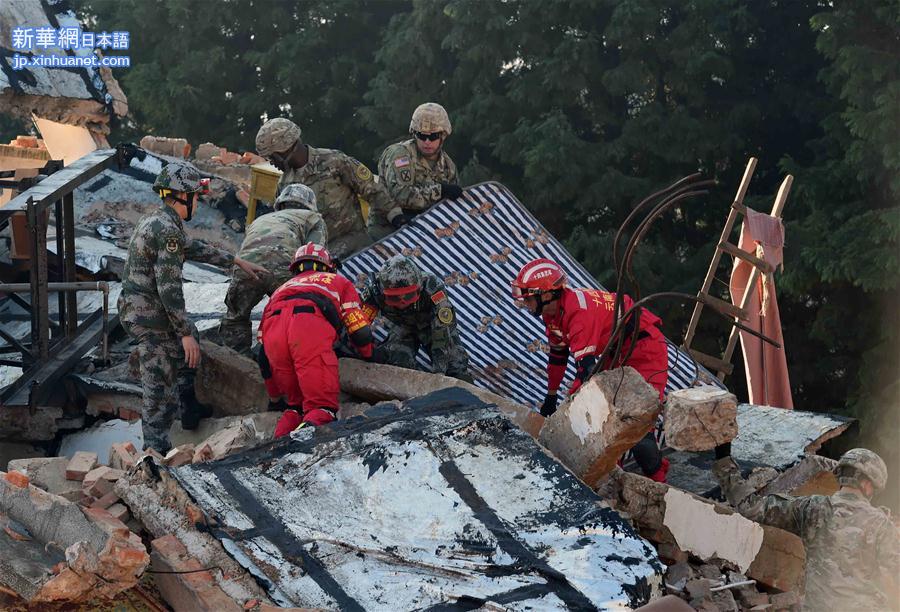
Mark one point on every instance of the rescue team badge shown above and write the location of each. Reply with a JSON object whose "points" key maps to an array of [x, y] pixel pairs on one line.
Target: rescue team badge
{"points": [[445, 315], [406, 175], [438, 296], [363, 173], [172, 245]]}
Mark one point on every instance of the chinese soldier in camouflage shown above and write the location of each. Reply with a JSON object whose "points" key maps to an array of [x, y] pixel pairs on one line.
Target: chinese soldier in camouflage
{"points": [[338, 180], [420, 315], [270, 242], [416, 172], [852, 547], [151, 304]]}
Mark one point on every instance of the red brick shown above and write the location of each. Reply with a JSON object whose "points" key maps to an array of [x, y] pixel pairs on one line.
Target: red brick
{"points": [[29, 142], [120, 458], [101, 488], [194, 591], [17, 479], [129, 415], [107, 522], [106, 501], [119, 511], [194, 514], [130, 448], [81, 463], [250, 604]]}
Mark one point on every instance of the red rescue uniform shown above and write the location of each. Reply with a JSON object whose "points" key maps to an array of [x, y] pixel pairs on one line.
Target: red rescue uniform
{"points": [[299, 328], [582, 327]]}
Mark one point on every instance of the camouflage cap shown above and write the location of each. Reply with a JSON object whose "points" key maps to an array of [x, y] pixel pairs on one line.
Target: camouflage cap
{"points": [[865, 463], [296, 195], [429, 118], [399, 271], [178, 176], [277, 136]]}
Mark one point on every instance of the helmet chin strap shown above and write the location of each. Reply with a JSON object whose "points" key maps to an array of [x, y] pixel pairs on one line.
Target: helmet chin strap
{"points": [[554, 295]]}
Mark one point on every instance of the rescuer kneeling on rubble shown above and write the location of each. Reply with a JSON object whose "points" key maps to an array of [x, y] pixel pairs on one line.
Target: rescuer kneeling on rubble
{"points": [[298, 331], [852, 547], [580, 321]]}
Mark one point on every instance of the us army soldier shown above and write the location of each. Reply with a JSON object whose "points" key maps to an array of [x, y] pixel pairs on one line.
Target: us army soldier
{"points": [[270, 242], [338, 180], [151, 304], [420, 315], [417, 172], [852, 549]]}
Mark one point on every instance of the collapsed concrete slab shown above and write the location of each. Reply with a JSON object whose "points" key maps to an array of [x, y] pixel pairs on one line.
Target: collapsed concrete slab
{"points": [[229, 382], [48, 473], [610, 413], [443, 501], [63, 553], [708, 530], [700, 418], [375, 382]]}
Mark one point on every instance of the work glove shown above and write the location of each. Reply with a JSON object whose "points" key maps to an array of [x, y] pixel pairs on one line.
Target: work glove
{"points": [[449, 190], [401, 220], [549, 405]]}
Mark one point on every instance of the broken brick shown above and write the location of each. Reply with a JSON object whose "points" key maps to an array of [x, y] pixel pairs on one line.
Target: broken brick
{"points": [[127, 414], [120, 457], [119, 511], [196, 590], [100, 488], [17, 479], [81, 463], [106, 501], [180, 455], [28, 142]]}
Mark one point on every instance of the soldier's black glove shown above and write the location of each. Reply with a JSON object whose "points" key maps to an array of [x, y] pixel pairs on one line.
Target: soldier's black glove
{"points": [[549, 405], [401, 220], [449, 190]]}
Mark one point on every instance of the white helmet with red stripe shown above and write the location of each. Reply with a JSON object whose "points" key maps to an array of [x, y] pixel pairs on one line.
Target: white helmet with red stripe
{"points": [[312, 252], [538, 276]]}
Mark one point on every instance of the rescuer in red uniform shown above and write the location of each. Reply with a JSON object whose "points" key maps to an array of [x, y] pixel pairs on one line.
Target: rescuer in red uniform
{"points": [[299, 327], [580, 322]]}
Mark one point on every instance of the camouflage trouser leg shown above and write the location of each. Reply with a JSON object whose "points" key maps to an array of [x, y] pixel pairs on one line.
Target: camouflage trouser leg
{"points": [[399, 348], [160, 358], [448, 356], [243, 295], [377, 231]]}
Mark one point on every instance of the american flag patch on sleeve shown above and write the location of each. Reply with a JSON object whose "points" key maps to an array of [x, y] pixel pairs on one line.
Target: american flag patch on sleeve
{"points": [[400, 162]]}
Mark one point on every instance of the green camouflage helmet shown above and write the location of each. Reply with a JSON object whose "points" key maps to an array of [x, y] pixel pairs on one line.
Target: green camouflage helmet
{"points": [[399, 271], [865, 463], [430, 118], [277, 136], [297, 195], [178, 176]]}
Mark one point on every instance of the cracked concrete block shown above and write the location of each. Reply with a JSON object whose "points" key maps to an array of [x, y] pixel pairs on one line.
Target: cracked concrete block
{"points": [[48, 473], [228, 382], [81, 463], [228, 441], [700, 418], [708, 530], [610, 413], [375, 382], [812, 475]]}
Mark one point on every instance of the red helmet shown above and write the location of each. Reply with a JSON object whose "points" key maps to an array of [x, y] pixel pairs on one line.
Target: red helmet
{"points": [[536, 277], [312, 252]]}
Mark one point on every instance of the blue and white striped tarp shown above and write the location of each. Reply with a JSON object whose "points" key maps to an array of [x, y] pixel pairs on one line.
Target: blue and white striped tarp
{"points": [[477, 244]]}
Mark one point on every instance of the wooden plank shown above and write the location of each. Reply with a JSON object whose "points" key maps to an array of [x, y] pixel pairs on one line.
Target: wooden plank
{"points": [[764, 266], [714, 264], [713, 363], [726, 307]]}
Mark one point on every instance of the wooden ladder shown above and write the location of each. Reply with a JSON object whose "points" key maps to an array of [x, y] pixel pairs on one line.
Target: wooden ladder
{"points": [[722, 365]]}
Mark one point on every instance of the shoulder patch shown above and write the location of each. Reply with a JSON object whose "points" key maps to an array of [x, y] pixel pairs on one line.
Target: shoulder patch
{"points": [[400, 162], [172, 244], [445, 315], [438, 296], [363, 173]]}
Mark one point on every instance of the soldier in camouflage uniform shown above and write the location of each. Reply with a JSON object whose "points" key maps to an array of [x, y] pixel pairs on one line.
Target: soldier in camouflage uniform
{"points": [[338, 180], [852, 549], [416, 172], [420, 315], [151, 304], [270, 242]]}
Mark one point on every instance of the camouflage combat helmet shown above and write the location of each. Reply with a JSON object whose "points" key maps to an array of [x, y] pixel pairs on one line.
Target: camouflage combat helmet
{"points": [[399, 271], [178, 176], [864, 462], [277, 136], [429, 118], [297, 195]]}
